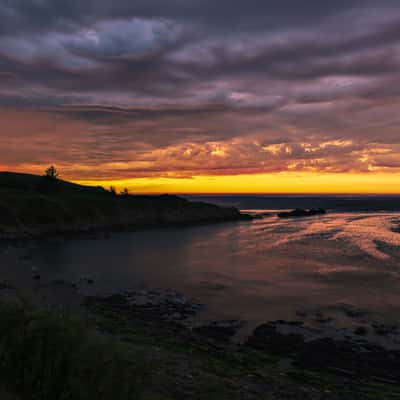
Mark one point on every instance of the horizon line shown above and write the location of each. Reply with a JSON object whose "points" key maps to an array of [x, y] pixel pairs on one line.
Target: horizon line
{"points": [[396, 194]]}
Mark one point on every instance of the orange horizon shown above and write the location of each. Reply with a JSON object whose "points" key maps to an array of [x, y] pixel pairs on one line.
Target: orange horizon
{"points": [[284, 183], [280, 183]]}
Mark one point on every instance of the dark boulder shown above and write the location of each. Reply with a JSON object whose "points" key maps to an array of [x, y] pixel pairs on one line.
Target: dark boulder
{"points": [[300, 212], [267, 337], [221, 331]]}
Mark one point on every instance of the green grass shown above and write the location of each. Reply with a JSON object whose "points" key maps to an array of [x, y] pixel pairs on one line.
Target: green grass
{"points": [[49, 356]]}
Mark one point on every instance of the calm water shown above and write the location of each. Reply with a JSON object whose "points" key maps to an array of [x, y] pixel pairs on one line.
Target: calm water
{"points": [[259, 270]]}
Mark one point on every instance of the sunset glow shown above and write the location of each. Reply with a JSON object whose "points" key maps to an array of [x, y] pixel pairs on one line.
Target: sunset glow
{"points": [[263, 183]]}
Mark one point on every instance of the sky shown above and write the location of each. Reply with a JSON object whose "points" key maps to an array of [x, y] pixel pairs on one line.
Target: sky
{"points": [[203, 96]]}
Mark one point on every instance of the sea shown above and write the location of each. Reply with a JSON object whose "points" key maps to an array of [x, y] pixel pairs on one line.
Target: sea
{"points": [[342, 268]]}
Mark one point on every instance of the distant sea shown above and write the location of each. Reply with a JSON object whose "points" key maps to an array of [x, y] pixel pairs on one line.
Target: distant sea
{"points": [[342, 203]]}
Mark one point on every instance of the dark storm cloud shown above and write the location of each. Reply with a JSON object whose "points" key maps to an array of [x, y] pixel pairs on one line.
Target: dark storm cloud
{"points": [[41, 15], [254, 85]]}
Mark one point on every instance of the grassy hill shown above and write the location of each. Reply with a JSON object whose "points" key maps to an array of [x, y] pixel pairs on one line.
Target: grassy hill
{"points": [[31, 205]]}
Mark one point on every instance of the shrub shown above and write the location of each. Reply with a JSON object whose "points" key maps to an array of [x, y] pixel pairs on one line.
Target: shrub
{"points": [[125, 192], [52, 172]]}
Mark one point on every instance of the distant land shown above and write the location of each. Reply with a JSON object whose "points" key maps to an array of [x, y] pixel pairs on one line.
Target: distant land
{"points": [[32, 205], [346, 203]]}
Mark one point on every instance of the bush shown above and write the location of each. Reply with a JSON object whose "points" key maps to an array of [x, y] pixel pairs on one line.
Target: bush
{"points": [[52, 173]]}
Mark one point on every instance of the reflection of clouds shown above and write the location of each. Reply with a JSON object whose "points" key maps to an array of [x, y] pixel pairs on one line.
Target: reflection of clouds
{"points": [[365, 232]]}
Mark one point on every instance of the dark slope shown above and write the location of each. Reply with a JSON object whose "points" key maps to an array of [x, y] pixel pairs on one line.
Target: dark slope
{"points": [[32, 205]]}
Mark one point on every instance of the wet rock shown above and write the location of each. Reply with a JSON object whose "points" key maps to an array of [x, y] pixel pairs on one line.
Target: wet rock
{"points": [[322, 319], [361, 330], [302, 313], [5, 286], [355, 313], [89, 281], [346, 357], [220, 330], [299, 212], [295, 323], [176, 316], [151, 305], [348, 310], [266, 337], [290, 323], [62, 282], [383, 330]]}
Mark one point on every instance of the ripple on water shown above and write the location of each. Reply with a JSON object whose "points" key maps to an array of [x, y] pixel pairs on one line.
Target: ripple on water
{"points": [[371, 233]]}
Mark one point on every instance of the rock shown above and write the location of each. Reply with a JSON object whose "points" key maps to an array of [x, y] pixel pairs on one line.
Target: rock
{"points": [[5, 286], [62, 282], [302, 313], [151, 305], [299, 212], [321, 319], [266, 337], [176, 316], [346, 357], [355, 313], [383, 330], [220, 330], [361, 330], [295, 323]]}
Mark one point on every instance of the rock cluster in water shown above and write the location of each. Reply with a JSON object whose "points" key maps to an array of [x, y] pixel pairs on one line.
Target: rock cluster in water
{"points": [[300, 212]]}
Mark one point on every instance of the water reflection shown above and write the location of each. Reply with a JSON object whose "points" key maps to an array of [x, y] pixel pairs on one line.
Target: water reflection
{"points": [[258, 270]]}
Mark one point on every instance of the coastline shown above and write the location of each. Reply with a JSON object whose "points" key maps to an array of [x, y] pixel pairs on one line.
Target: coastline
{"points": [[180, 356], [82, 230], [180, 359], [34, 206]]}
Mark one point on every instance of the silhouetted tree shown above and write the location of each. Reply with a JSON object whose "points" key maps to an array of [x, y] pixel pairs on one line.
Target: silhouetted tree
{"points": [[125, 192], [50, 183], [52, 172], [113, 190]]}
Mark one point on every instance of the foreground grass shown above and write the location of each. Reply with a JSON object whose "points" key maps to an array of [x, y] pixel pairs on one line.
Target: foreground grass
{"points": [[47, 355]]}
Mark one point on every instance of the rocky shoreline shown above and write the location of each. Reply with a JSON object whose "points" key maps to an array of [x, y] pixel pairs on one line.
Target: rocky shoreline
{"points": [[303, 345], [165, 318]]}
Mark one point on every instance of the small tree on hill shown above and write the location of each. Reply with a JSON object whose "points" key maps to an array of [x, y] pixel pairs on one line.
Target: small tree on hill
{"points": [[113, 190], [52, 173], [50, 184], [125, 192]]}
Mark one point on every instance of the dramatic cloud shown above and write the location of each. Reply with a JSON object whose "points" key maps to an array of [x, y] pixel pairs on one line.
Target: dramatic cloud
{"points": [[125, 89]]}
